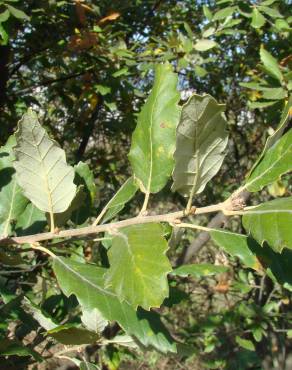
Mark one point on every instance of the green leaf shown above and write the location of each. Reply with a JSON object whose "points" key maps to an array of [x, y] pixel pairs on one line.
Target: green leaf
{"points": [[277, 265], [84, 176], [244, 343], [261, 104], [31, 221], [272, 12], [76, 204], [13, 347], [236, 245], [200, 144], [278, 133], [93, 320], [253, 86], [199, 270], [207, 12], [255, 256], [4, 35], [86, 196], [41, 168], [153, 140], [224, 13], [276, 161], [205, 44], [209, 32], [268, 2], [271, 64], [271, 222], [138, 265], [17, 13], [4, 16], [118, 201], [43, 319], [12, 201], [258, 20], [275, 93], [70, 334], [282, 25], [87, 283]]}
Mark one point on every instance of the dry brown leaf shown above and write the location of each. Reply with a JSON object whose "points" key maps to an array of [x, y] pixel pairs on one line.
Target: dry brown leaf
{"points": [[111, 17]]}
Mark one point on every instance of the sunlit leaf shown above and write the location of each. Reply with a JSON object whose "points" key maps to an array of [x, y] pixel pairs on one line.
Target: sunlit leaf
{"points": [[276, 161], [271, 64], [271, 222], [261, 104], [275, 93], [87, 283], [84, 176], [271, 140], [207, 12], [12, 200], [258, 20], [200, 144], [43, 319], [31, 221], [41, 168], [118, 201], [75, 206], [244, 343], [138, 265], [272, 12], [224, 13], [93, 320], [204, 44], [153, 140]]}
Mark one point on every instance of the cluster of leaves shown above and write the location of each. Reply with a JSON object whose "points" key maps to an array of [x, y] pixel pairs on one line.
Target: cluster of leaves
{"points": [[187, 142], [87, 68]]}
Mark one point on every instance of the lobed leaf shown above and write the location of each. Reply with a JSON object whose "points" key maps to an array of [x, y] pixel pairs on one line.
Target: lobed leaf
{"points": [[271, 222], [153, 140], [87, 283], [200, 144], [93, 320], [41, 168], [138, 265]]}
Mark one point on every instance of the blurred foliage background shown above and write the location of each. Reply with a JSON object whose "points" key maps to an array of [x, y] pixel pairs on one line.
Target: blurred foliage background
{"points": [[86, 66]]}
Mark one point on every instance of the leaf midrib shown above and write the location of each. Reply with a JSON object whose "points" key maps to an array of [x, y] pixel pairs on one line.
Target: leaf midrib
{"points": [[150, 134], [85, 280], [47, 188]]}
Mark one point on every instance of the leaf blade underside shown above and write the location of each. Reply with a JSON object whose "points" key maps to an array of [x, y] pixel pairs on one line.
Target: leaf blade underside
{"points": [[41, 168], [200, 144]]}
